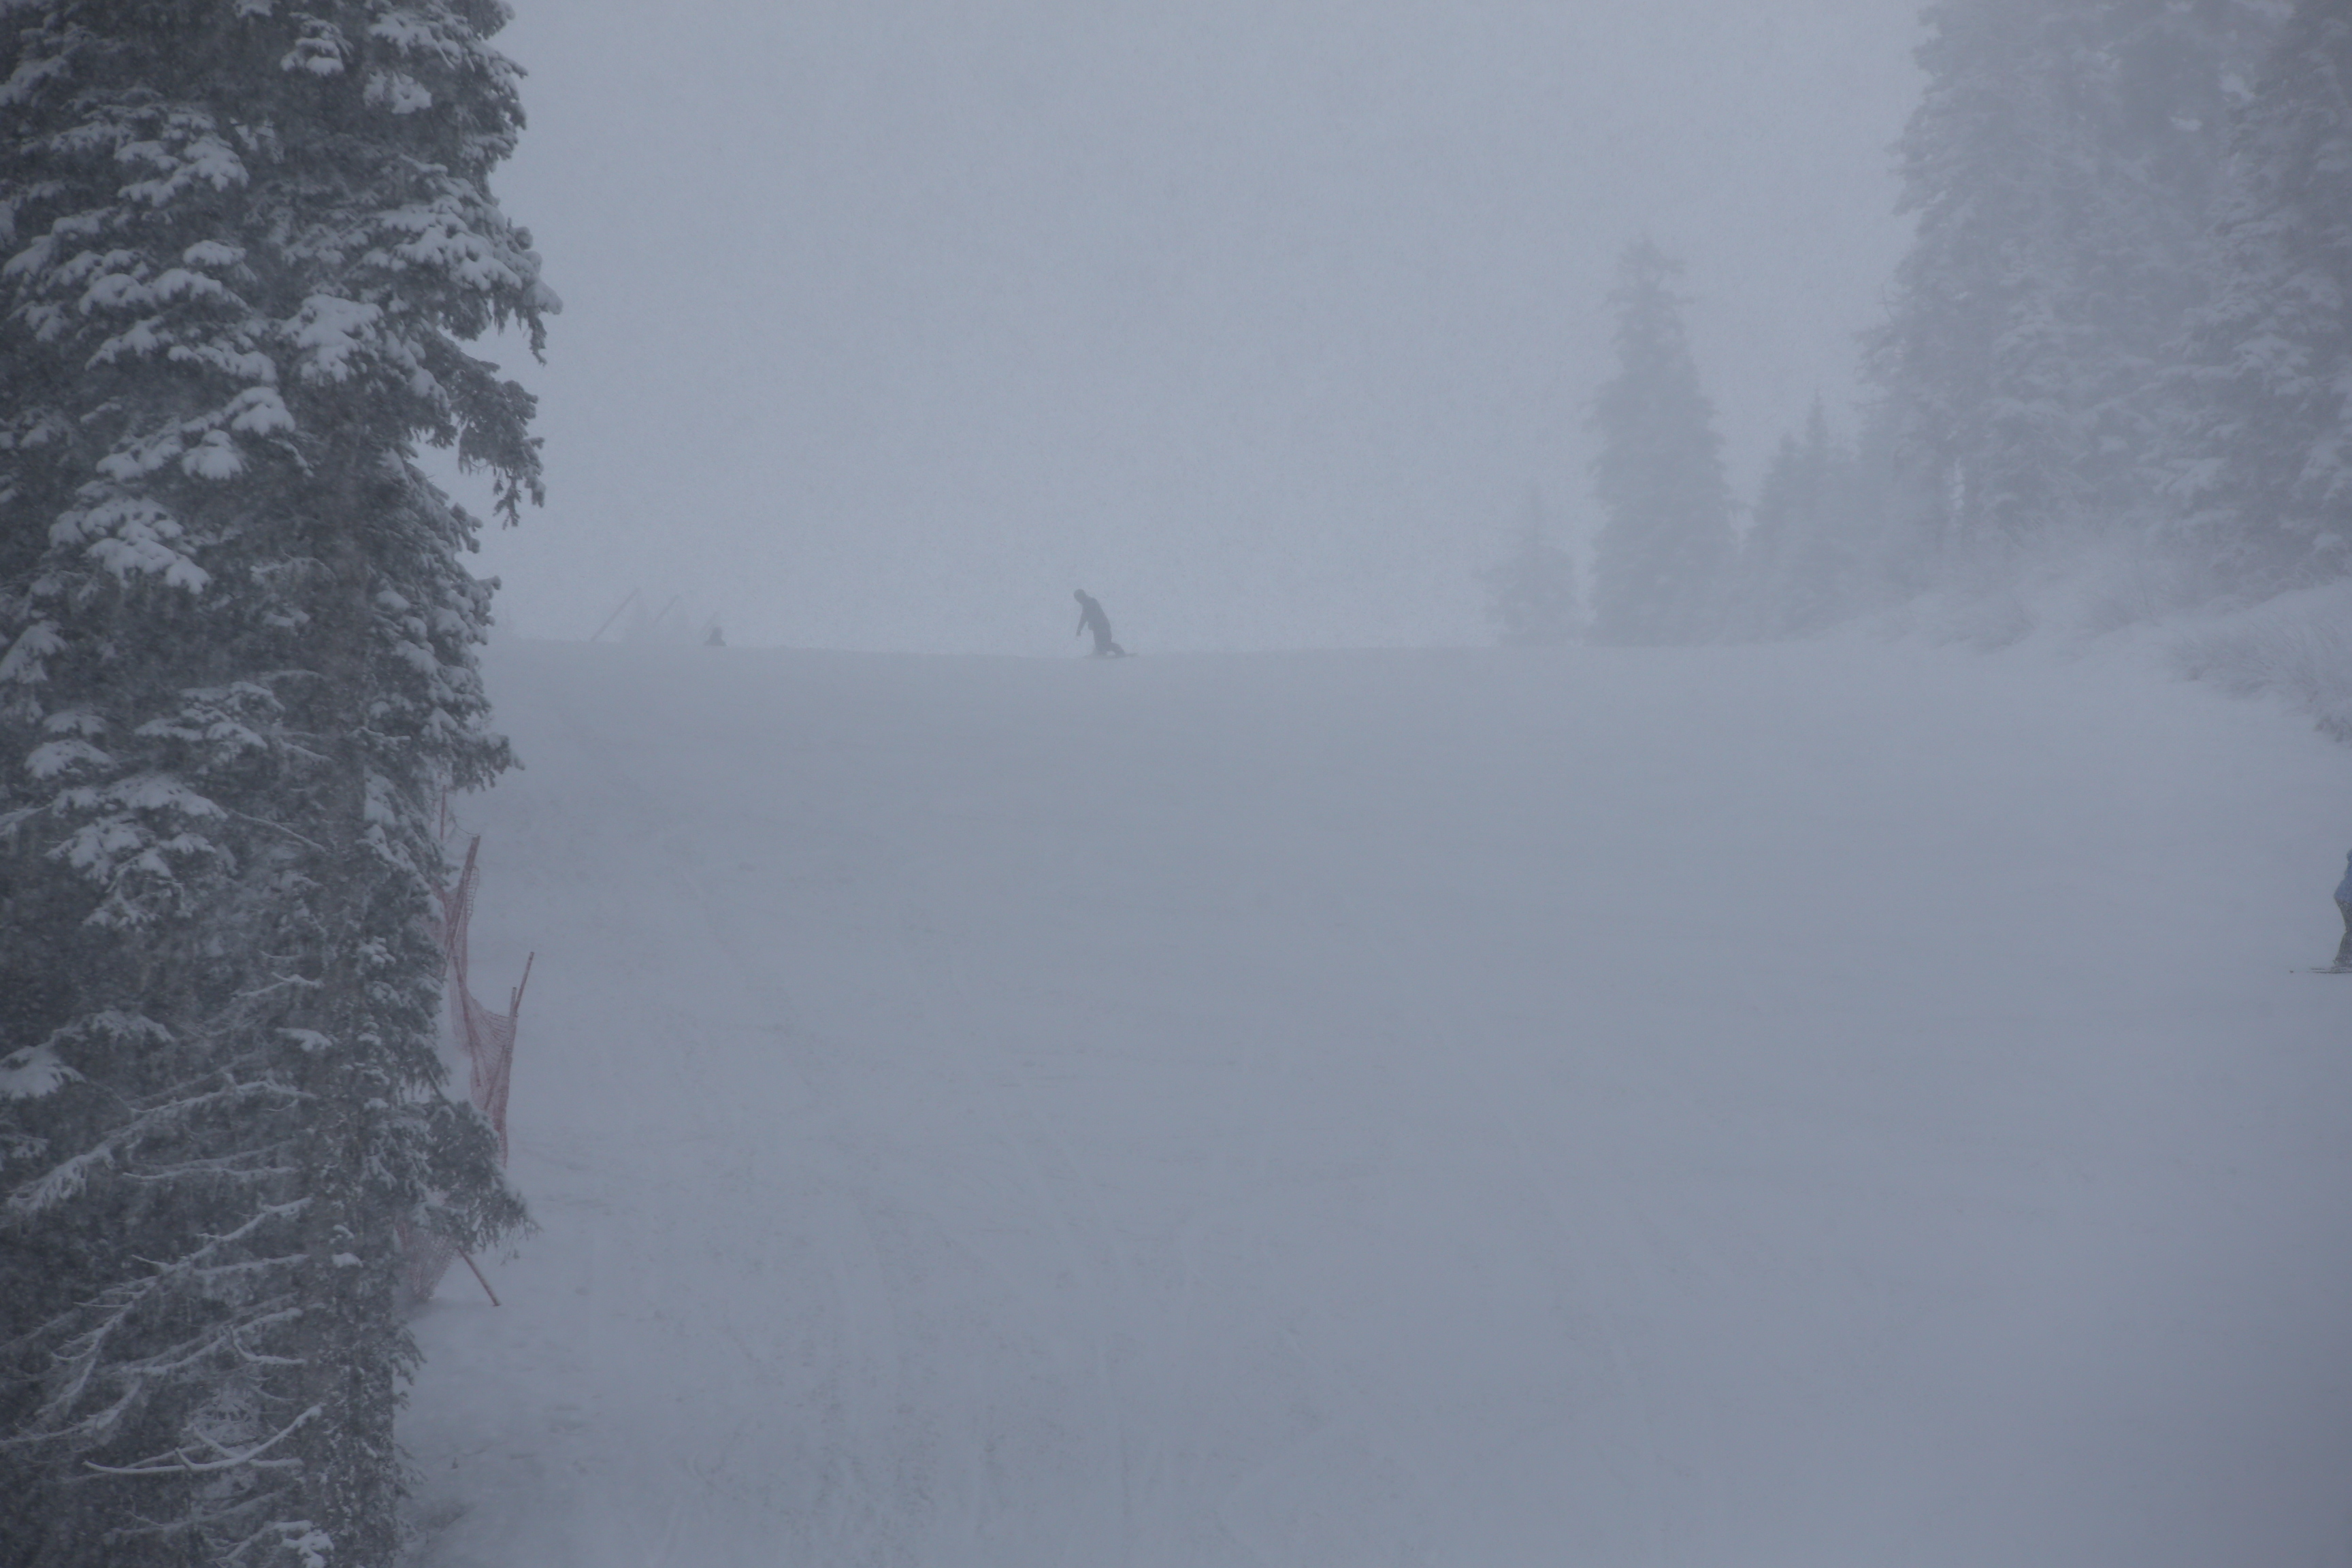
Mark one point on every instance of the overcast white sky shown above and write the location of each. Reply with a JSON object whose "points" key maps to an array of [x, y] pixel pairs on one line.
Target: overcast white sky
{"points": [[888, 323]]}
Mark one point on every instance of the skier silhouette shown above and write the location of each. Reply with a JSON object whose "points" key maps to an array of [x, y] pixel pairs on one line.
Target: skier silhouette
{"points": [[1092, 619]]}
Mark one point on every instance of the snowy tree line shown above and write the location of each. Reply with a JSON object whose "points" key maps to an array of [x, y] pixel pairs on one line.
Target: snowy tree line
{"points": [[241, 243], [2124, 327]]}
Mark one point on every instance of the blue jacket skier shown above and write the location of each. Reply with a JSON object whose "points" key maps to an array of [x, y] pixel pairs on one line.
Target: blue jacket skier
{"points": [[2343, 904], [1092, 619]]}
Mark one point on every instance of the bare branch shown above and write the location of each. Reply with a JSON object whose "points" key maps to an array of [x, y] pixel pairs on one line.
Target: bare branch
{"points": [[179, 1460]]}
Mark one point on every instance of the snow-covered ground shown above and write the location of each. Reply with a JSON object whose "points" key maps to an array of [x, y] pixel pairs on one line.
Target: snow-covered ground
{"points": [[1846, 1103]]}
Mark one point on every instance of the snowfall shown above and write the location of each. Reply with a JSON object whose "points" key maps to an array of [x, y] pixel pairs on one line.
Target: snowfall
{"points": [[1854, 1103]]}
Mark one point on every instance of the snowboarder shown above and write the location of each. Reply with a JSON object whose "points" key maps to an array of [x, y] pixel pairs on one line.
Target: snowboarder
{"points": [[2343, 964], [1092, 619]]}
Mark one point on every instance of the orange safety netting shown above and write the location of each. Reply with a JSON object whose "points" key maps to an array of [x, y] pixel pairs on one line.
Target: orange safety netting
{"points": [[488, 1039]]}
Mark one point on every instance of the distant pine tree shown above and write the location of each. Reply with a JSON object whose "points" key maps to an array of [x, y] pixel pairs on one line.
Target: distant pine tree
{"points": [[242, 244], [1532, 592], [1666, 539], [1797, 562], [2264, 454]]}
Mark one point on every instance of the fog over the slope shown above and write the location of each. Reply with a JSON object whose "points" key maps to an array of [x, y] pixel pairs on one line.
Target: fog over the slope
{"points": [[889, 322]]}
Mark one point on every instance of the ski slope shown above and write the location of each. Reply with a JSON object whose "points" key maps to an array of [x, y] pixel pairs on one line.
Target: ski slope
{"points": [[1846, 1103]]}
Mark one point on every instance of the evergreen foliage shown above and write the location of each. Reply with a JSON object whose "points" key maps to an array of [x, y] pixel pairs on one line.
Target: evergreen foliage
{"points": [[1804, 561], [1532, 592], [1665, 539], [243, 242], [2063, 167], [2264, 456]]}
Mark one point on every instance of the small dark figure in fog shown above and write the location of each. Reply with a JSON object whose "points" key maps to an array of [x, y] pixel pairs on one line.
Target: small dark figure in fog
{"points": [[1092, 619], [2343, 964]]}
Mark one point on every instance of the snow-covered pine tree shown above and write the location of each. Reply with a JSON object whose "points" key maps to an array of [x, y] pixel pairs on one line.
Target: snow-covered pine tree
{"points": [[1814, 549], [1792, 559], [2062, 166], [1532, 592], [244, 240], [2263, 458], [1665, 539]]}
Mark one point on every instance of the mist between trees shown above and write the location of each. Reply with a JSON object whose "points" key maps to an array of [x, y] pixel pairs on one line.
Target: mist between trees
{"points": [[2118, 355]]}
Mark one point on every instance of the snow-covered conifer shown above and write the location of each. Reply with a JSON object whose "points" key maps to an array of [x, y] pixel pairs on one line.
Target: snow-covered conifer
{"points": [[1532, 592], [1665, 539], [1810, 557], [241, 242], [2265, 456], [2061, 168], [1792, 506]]}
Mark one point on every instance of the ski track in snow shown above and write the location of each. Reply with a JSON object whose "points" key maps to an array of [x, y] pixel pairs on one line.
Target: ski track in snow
{"points": [[1840, 1103]]}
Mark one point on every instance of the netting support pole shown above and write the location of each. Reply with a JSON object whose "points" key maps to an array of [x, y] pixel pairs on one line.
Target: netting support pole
{"points": [[477, 1267]]}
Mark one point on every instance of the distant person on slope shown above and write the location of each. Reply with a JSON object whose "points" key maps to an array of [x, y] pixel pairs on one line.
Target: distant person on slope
{"points": [[1092, 619], [2343, 904]]}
